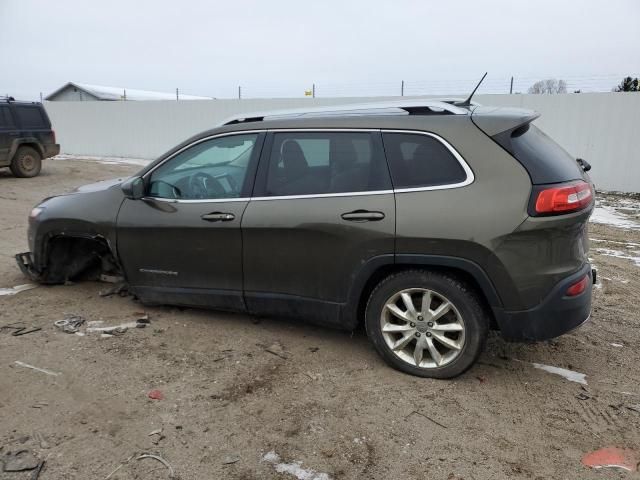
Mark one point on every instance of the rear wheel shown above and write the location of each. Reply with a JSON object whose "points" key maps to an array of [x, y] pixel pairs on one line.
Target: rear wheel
{"points": [[426, 323], [26, 163]]}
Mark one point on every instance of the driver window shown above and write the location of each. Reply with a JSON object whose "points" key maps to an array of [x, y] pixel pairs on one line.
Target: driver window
{"points": [[212, 169]]}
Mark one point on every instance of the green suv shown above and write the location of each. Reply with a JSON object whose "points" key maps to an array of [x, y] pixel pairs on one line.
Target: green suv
{"points": [[430, 222], [26, 137]]}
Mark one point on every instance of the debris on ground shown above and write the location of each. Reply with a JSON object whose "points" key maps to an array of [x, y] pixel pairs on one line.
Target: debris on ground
{"points": [[230, 459], [19, 328], [117, 289], [119, 329], [71, 323], [563, 372], [277, 350], [20, 461], [294, 468], [42, 370], [427, 417], [17, 289], [583, 396], [157, 436], [155, 395], [161, 460], [613, 457]]}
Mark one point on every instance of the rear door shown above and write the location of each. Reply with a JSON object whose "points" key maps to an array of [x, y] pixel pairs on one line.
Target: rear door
{"points": [[8, 133], [322, 207]]}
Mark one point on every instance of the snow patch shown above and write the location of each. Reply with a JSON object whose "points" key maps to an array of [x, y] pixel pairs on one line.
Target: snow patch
{"points": [[607, 215], [563, 372], [620, 254], [294, 468], [104, 160]]}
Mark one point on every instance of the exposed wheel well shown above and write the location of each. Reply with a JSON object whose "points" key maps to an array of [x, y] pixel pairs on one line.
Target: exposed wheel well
{"points": [[386, 270], [74, 257], [35, 146]]}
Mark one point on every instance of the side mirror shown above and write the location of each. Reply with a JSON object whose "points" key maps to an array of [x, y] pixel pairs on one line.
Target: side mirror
{"points": [[133, 188]]}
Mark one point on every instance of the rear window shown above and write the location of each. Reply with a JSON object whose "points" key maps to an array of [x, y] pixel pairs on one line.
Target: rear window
{"points": [[6, 120], [30, 117], [418, 160], [544, 159]]}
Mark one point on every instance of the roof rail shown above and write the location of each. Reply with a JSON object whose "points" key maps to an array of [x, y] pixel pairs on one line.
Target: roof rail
{"points": [[406, 107], [8, 98]]}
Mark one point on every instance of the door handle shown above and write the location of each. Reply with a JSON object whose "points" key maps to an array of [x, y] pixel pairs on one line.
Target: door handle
{"points": [[362, 216], [218, 217]]}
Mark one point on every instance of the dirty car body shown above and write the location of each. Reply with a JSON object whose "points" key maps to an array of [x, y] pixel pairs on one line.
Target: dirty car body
{"points": [[339, 217]]}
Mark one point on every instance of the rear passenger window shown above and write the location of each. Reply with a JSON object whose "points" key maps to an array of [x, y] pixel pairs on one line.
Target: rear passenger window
{"points": [[6, 120], [325, 162], [30, 117], [418, 160]]}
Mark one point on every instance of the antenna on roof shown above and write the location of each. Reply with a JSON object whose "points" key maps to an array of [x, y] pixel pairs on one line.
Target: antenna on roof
{"points": [[467, 102]]}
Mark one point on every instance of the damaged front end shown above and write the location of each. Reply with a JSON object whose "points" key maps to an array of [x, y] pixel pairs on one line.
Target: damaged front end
{"points": [[25, 262], [70, 259]]}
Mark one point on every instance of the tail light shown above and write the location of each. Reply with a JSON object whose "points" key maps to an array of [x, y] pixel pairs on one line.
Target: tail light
{"points": [[565, 198], [578, 287]]}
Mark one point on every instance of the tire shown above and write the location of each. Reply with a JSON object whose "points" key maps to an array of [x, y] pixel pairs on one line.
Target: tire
{"points": [[26, 163], [450, 342]]}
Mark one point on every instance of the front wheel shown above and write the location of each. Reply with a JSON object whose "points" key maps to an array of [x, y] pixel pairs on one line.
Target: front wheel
{"points": [[426, 323], [26, 163]]}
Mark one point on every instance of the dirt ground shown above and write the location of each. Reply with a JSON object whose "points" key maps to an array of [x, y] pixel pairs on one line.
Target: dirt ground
{"points": [[324, 406]]}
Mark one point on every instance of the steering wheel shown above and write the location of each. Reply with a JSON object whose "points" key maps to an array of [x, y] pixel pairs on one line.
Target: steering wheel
{"points": [[203, 185]]}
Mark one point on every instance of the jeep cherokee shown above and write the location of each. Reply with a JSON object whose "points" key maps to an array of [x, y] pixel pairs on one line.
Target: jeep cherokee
{"points": [[430, 222]]}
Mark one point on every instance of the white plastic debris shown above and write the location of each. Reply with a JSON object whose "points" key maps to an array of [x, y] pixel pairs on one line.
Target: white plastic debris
{"points": [[17, 289], [294, 468], [563, 372], [42, 370]]}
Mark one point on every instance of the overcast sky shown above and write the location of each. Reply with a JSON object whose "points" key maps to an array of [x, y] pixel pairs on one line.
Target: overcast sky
{"points": [[345, 47]]}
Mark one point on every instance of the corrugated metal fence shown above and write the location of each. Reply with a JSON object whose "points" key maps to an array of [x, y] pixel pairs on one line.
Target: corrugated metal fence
{"points": [[602, 128]]}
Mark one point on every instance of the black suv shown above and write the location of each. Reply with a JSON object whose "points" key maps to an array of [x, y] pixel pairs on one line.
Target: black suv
{"points": [[26, 137], [429, 222]]}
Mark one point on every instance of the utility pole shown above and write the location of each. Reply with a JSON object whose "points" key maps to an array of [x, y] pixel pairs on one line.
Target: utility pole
{"points": [[40, 97], [511, 87], [124, 91], [313, 90], [239, 92], [402, 89], [177, 95]]}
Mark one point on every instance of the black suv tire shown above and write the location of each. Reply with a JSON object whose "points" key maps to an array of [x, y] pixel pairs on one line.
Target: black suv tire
{"points": [[26, 163], [465, 312]]}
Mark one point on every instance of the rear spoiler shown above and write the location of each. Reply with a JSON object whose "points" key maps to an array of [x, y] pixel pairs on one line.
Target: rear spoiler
{"points": [[493, 121]]}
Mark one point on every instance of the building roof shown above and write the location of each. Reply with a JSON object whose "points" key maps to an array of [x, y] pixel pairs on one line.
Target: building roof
{"points": [[117, 93]]}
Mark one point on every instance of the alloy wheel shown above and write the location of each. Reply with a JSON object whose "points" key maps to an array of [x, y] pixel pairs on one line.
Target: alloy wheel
{"points": [[422, 328]]}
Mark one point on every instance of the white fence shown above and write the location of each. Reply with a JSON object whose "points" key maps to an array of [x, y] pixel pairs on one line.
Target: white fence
{"points": [[602, 128]]}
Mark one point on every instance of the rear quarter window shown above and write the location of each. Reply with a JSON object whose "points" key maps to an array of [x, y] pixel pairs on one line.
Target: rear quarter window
{"points": [[417, 160], [30, 117], [541, 156], [6, 119]]}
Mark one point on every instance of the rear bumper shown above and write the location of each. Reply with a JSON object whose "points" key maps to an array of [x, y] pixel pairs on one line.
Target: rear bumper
{"points": [[554, 316], [51, 150]]}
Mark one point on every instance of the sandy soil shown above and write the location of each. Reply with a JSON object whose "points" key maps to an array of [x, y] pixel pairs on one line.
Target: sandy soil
{"points": [[326, 405]]}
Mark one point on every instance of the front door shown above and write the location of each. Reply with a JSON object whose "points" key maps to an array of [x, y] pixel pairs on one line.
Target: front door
{"points": [[182, 243], [323, 206]]}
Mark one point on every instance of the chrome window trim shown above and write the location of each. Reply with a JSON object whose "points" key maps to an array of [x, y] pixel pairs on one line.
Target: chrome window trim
{"points": [[470, 177], [197, 200], [323, 195]]}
